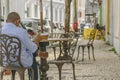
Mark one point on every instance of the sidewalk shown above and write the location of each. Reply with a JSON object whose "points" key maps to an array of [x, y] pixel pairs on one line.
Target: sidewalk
{"points": [[106, 66]]}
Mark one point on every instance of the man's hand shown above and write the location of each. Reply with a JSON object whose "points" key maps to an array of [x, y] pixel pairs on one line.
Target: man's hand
{"points": [[37, 39]]}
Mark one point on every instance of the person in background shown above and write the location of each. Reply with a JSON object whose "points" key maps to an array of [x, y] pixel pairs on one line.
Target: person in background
{"points": [[29, 48]]}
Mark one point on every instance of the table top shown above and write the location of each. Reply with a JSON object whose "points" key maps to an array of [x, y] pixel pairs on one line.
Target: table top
{"points": [[57, 39]]}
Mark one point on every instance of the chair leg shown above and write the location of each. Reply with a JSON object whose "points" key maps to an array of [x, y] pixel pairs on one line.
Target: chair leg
{"points": [[83, 53], [88, 52], [78, 52], [73, 65], [1, 74], [31, 73], [59, 65], [93, 52], [21, 74], [54, 49], [39, 70], [13, 74]]}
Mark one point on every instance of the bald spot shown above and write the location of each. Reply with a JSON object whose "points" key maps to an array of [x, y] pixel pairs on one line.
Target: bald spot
{"points": [[13, 16]]}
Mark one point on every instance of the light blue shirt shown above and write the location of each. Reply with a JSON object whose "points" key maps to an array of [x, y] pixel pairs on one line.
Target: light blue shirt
{"points": [[28, 47]]}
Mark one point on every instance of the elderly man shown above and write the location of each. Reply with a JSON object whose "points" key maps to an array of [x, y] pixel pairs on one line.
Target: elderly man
{"points": [[29, 48]]}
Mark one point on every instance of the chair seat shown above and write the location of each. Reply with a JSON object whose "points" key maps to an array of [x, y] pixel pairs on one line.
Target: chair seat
{"points": [[16, 67], [56, 44], [59, 61]]}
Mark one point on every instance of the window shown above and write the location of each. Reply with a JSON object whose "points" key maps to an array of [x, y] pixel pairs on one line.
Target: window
{"points": [[3, 10], [28, 12], [36, 10], [46, 15], [56, 15], [60, 15]]}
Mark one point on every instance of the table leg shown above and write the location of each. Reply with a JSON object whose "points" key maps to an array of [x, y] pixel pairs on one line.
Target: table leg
{"points": [[43, 59]]}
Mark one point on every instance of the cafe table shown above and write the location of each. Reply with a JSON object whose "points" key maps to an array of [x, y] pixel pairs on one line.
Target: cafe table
{"points": [[44, 67]]}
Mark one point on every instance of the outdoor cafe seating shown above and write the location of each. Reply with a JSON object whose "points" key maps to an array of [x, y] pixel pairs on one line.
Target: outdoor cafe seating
{"points": [[10, 51], [67, 46], [54, 44], [87, 44]]}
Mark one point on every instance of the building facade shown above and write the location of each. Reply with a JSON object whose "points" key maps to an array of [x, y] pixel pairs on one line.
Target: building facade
{"points": [[91, 11], [58, 9], [114, 24], [111, 20], [13, 5], [81, 11], [31, 9]]}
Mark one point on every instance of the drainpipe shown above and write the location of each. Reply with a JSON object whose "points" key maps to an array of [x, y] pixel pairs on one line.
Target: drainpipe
{"points": [[51, 8], [6, 9], [0, 17], [41, 16], [100, 14], [75, 11], [107, 20]]}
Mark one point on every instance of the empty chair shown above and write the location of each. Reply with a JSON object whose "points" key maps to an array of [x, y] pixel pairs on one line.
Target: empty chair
{"points": [[87, 44], [10, 56], [69, 48], [54, 45]]}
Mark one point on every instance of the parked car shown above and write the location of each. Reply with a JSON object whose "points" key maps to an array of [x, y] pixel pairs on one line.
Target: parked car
{"points": [[88, 25], [47, 26], [30, 24], [2, 22]]}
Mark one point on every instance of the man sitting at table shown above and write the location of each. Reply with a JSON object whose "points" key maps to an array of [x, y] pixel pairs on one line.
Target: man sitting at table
{"points": [[29, 48]]}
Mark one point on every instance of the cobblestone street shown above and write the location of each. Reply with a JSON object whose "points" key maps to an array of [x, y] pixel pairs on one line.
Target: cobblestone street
{"points": [[106, 66]]}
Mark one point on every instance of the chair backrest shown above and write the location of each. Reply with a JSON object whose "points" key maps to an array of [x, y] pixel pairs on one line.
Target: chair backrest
{"points": [[55, 35], [72, 47], [92, 36], [71, 44], [10, 50]]}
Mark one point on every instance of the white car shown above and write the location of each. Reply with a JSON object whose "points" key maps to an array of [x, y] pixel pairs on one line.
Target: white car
{"points": [[88, 25], [30, 24]]}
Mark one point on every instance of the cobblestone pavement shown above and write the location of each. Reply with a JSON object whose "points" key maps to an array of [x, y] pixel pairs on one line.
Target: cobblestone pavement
{"points": [[106, 66]]}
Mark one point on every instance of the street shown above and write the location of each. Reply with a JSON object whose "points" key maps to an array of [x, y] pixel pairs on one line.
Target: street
{"points": [[106, 66]]}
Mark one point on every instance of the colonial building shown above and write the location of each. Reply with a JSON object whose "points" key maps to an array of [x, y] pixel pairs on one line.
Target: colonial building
{"points": [[13, 5], [31, 9], [91, 11], [81, 11], [111, 20], [58, 7]]}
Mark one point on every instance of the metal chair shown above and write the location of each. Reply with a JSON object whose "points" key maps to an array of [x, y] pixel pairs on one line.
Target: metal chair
{"points": [[10, 56], [88, 44], [54, 45], [67, 47]]}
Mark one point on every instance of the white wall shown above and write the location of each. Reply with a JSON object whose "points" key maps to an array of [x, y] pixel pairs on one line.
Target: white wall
{"points": [[116, 25], [114, 36], [57, 5], [17, 6]]}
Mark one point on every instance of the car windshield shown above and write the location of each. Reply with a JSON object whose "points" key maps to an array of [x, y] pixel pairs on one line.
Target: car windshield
{"points": [[28, 24]]}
